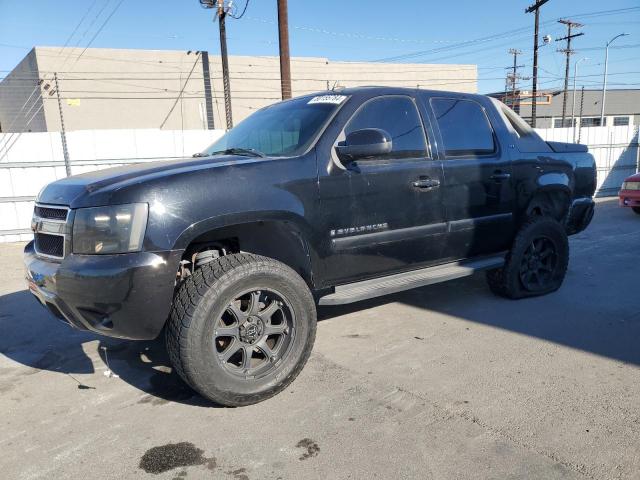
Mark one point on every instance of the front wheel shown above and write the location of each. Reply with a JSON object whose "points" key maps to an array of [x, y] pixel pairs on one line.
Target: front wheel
{"points": [[537, 262], [636, 209], [241, 329]]}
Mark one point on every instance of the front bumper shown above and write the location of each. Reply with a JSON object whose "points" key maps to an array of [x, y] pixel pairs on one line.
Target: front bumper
{"points": [[124, 296], [629, 198], [580, 215]]}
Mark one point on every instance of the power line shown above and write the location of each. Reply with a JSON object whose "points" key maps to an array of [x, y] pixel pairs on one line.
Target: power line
{"points": [[98, 31], [535, 8], [180, 94], [238, 17], [568, 52], [501, 35], [7, 147], [78, 25]]}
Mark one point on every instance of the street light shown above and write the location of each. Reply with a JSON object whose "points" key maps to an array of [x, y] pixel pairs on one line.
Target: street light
{"points": [[573, 107], [604, 83]]}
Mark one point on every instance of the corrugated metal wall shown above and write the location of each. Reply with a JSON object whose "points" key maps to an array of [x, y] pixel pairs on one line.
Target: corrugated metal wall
{"points": [[614, 148], [35, 159]]}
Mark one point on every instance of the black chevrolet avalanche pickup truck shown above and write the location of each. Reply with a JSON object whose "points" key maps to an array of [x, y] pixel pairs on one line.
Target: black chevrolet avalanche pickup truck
{"points": [[325, 199]]}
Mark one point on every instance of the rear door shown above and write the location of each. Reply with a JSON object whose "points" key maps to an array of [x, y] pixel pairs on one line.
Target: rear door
{"points": [[477, 192], [382, 214]]}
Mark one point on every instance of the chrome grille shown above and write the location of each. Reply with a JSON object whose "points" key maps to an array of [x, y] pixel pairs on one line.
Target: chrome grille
{"points": [[51, 225], [51, 213], [52, 245]]}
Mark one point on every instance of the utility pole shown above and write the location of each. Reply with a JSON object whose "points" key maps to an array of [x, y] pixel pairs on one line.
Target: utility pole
{"points": [[513, 77], [283, 39], [573, 106], [568, 52], [225, 64], [581, 110], [535, 8], [63, 134], [221, 12]]}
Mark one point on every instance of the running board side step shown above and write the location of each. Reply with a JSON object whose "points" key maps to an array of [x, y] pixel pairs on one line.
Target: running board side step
{"points": [[377, 287]]}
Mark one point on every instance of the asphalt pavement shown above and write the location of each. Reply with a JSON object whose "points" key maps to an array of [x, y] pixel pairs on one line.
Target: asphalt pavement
{"points": [[443, 382]]}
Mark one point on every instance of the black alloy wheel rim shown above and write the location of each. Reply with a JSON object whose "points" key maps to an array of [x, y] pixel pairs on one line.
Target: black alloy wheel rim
{"points": [[539, 264], [254, 333]]}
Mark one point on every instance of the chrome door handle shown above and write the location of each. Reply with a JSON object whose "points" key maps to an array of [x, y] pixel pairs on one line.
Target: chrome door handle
{"points": [[426, 183], [501, 176]]}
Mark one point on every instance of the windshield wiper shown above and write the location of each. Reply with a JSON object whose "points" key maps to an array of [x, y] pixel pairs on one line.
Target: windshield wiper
{"points": [[252, 152], [198, 155]]}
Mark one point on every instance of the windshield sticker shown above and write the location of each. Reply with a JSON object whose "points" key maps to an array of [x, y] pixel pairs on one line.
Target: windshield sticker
{"points": [[335, 99]]}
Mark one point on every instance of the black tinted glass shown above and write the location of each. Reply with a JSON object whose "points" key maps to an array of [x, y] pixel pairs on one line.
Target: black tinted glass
{"points": [[397, 116], [464, 126]]}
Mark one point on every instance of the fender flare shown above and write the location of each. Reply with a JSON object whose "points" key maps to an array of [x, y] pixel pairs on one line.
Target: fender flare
{"points": [[284, 236]]}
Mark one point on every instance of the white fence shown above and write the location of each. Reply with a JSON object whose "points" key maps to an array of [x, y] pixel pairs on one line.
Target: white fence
{"points": [[36, 159], [614, 148]]}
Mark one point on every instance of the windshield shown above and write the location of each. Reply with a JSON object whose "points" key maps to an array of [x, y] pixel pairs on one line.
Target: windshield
{"points": [[283, 129]]}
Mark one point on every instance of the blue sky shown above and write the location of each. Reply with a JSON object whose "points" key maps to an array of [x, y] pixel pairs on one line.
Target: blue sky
{"points": [[346, 30]]}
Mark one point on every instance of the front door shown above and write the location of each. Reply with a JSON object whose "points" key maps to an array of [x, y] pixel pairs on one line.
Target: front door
{"points": [[383, 214], [477, 192]]}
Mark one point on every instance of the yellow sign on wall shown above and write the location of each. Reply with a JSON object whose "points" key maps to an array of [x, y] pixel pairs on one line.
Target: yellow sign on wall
{"points": [[73, 102]]}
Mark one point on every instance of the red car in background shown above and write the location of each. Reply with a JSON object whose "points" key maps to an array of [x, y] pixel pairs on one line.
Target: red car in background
{"points": [[630, 193]]}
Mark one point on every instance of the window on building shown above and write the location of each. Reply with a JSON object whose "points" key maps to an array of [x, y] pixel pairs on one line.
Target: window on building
{"points": [[620, 121], [464, 127], [590, 122], [557, 123], [398, 116]]}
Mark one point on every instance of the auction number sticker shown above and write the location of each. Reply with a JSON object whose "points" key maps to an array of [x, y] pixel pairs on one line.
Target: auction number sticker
{"points": [[334, 99]]}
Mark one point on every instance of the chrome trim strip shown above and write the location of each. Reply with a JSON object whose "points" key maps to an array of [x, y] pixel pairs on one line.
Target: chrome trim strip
{"points": [[471, 223], [53, 207]]}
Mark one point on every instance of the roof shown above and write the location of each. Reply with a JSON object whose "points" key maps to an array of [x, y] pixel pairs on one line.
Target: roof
{"points": [[388, 90]]}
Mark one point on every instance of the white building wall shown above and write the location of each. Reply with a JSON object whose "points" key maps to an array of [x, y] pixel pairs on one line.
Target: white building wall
{"points": [[106, 88]]}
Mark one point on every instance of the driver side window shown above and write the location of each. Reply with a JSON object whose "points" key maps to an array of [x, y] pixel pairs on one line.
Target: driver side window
{"points": [[398, 116]]}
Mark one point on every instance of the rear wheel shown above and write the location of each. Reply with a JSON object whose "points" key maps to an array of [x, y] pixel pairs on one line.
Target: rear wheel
{"points": [[537, 262], [636, 209], [241, 329]]}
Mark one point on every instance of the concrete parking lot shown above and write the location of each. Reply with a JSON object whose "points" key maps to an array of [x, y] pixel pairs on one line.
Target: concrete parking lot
{"points": [[444, 382]]}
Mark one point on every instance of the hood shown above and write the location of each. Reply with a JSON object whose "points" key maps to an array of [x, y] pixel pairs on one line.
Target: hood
{"points": [[69, 190], [633, 178]]}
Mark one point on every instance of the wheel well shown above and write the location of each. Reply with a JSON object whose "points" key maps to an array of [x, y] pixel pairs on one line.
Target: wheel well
{"points": [[278, 240], [553, 204]]}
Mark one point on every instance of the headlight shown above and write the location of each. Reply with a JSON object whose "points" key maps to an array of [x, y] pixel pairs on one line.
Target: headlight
{"points": [[113, 229], [631, 186]]}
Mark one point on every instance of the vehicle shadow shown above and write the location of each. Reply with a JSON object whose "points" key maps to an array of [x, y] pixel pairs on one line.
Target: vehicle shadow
{"points": [[595, 311], [34, 338]]}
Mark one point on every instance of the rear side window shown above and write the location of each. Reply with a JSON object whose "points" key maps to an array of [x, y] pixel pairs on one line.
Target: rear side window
{"points": [[399, 117], [464, 126]]}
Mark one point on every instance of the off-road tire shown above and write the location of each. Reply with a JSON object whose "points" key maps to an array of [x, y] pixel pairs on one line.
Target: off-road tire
{"points": [[636, 209], [204, 296], [507, 282]]}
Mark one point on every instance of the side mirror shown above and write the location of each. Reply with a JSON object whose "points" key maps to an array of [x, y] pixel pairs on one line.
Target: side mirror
{"points": [[368, 142]]}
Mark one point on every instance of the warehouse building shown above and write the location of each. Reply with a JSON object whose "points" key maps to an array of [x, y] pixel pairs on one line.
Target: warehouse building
{"points": [[104, 88], [622, 107]]}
